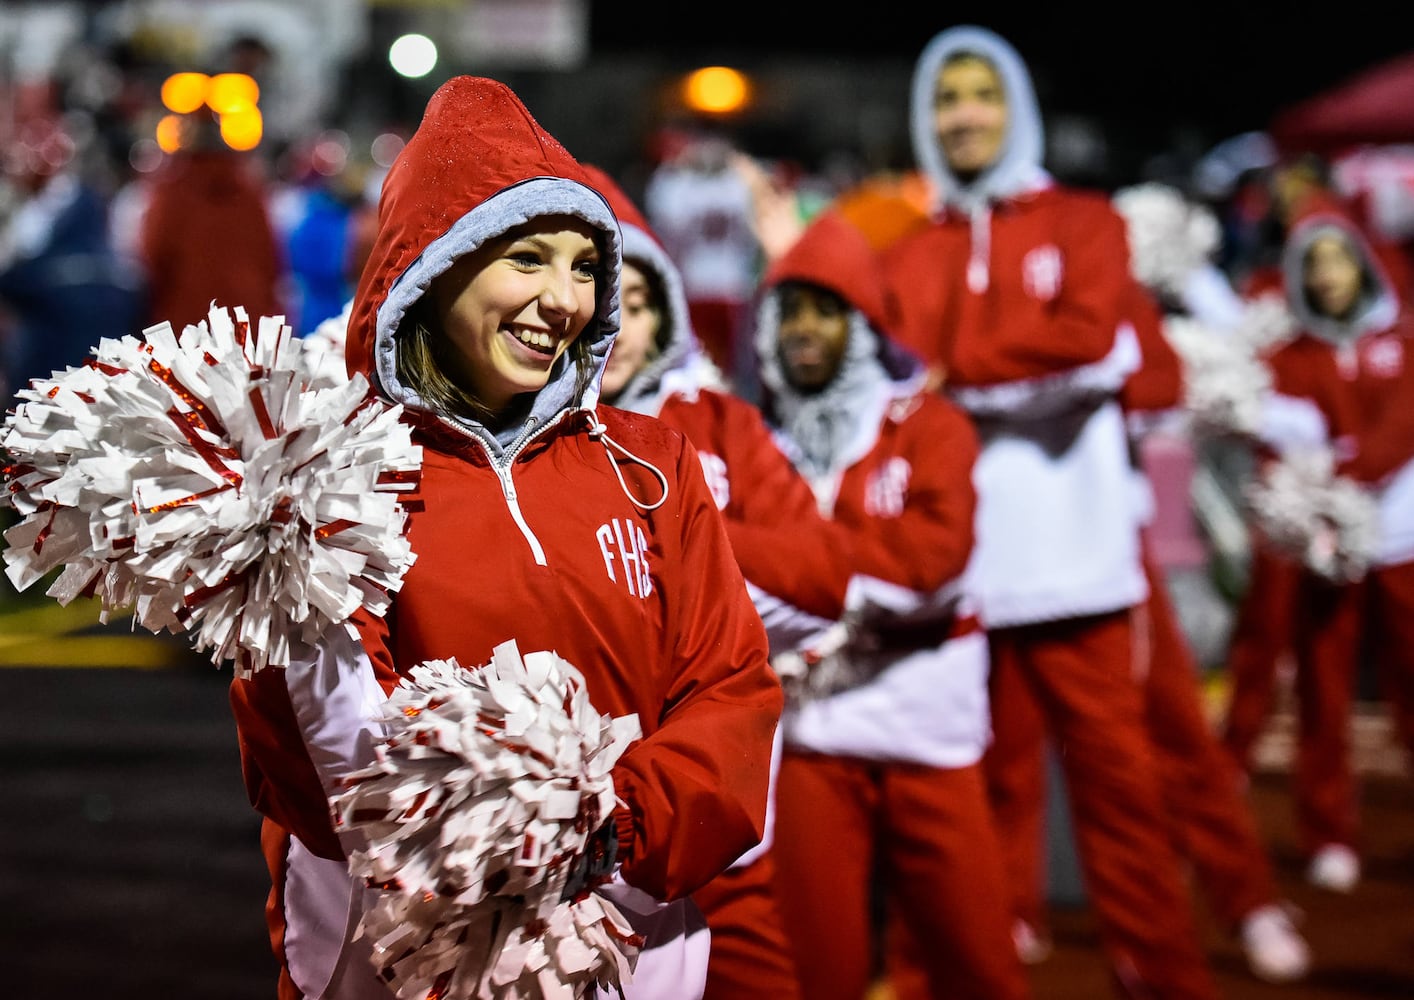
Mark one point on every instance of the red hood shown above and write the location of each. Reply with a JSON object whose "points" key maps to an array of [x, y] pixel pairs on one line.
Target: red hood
{"points": [[835, 254], [627, 212], [478, 165]]}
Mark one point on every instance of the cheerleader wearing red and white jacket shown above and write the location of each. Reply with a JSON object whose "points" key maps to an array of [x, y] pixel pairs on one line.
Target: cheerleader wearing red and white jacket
{"points": [[487, 309], [1016, 293], [883, 742], [657, 367], [1265, 619], [1212, 824], [1346, 383]]}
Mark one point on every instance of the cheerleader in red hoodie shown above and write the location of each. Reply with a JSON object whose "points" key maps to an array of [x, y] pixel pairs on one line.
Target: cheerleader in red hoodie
{"points": [[1016, 294], [1211, 823], [657, 367], [1346, 383], [881, 781], [487, 309]]}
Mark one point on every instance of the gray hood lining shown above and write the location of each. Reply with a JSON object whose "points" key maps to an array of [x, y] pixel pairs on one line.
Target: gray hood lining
{"points": [[644, 388], [503, 211], [1375, 312], [1018, 167]]}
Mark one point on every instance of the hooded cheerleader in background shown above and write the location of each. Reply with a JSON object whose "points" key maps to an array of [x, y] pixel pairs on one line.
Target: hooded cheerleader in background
{"points": [[881, 781], [772, 521], [1338, 498], [1017, 294]]}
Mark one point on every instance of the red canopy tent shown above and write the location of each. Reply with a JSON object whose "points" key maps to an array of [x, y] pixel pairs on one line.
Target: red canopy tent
{"points": [[1373, 107]]}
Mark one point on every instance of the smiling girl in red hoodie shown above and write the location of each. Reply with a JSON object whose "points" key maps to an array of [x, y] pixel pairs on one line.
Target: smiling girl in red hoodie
{"points": [[488, 306]]}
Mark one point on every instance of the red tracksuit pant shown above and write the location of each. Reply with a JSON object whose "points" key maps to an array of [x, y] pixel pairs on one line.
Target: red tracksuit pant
{"points": [[1079, 676], [1261, 636], [847, 829], [1211, 823], [1335, 625], [750, 957]]}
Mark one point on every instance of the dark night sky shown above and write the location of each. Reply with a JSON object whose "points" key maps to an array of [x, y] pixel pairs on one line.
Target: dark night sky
{"points": [[1226, 67]]}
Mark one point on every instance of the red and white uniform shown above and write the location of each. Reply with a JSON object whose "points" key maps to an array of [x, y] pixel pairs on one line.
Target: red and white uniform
{"points": [[771, 517], [882, 764], [531, 535], [1348, 385], [1211, 823], [1018, 293], [1262, 629]]}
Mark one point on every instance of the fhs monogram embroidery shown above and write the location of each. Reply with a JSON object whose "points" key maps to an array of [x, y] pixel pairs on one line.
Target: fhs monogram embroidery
{"points": [[887, 488], [622, 543], [714, 470], [1041, 272]]}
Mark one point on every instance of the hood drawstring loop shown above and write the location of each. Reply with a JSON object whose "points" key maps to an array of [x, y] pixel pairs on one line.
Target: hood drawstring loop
{"points": [[598, 432], [979, 257]]}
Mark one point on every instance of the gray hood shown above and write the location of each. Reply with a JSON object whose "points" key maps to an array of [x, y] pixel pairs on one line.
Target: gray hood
{"points": [[1019, 166], [1378, 306], [681, 364]]}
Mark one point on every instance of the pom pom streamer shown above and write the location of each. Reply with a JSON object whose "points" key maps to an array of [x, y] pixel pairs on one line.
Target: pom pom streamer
{"points": [[324, 349], [487, 785], [1327, 521], [213, 484], [1267, 322], [1224, 380], [1169, 236]]}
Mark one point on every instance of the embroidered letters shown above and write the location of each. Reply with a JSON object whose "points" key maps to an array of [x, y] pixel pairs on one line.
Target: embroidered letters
{"points": [[622, 541]]}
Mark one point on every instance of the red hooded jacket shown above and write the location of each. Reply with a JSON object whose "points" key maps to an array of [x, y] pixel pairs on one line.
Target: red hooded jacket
{"points": [[545, 533], [1358, 372]]}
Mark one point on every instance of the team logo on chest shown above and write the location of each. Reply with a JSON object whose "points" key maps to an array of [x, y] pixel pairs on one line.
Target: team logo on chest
{"points": [[625, 551], [1041, 272], [887, 488], [1385, 357], [714, 470]]}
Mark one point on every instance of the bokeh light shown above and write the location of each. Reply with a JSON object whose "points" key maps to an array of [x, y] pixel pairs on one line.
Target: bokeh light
{"points": [[242, 128], [413, 55], [385, 149], [717, 89], [232, 92], [183, 93], [169, 133]]}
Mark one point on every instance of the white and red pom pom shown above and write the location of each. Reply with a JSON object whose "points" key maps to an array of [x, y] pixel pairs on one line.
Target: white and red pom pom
{"points": [[1224, 381], [1327, 521], [487, 787], [324, 349], [1267, 322], [208, 482], [1169, 236]]}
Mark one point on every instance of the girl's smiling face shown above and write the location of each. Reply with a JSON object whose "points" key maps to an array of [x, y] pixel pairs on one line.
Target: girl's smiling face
{"points": [[513, 306]]}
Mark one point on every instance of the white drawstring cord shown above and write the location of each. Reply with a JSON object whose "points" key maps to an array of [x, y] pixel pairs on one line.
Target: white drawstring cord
{"points": [[599, 432], [980, 249]]}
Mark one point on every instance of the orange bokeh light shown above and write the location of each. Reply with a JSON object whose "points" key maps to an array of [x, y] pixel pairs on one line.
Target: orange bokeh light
{"points": [[232, 92], [169, 133], [183, 93], [242, 128], [717, 89]]}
